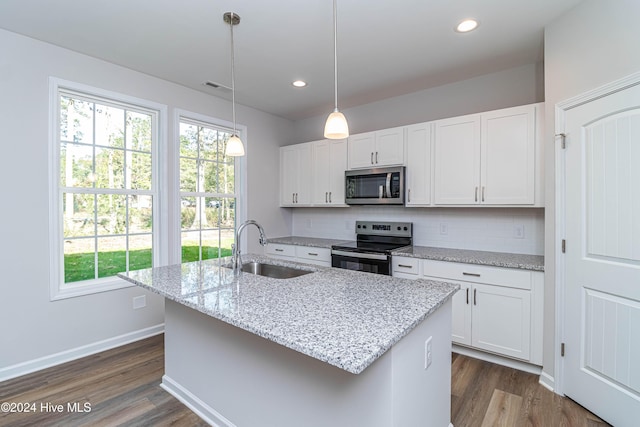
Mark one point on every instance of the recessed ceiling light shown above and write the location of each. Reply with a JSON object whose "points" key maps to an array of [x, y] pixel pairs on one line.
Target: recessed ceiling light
{"points": [[299, 83], [467, 25]]}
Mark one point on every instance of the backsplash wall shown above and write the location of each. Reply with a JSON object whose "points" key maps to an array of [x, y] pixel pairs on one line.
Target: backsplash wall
{"points": [[515, 230]]}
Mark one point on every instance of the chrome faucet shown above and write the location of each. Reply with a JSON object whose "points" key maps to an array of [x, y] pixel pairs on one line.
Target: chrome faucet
{"points": [[236, 258]]}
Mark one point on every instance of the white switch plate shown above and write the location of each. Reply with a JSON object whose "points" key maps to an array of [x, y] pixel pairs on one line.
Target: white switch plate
{"points": [[139, 302], [444, 228], [428, 355], [518, 231]]}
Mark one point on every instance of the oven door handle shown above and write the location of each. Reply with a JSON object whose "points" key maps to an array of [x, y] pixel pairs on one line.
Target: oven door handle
{"points": [[359, 255]]}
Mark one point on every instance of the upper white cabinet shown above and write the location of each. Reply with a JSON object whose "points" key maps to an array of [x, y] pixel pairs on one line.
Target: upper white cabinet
{"points": [[377, 149], [295, 179], [329, 163], [491, 158], [418, 173]]}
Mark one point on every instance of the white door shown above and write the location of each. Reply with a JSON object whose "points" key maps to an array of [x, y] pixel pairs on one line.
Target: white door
{"points": [[337, 164], [418, 174], [362, 150], [389, 147], [601, 367], [321, 167]]}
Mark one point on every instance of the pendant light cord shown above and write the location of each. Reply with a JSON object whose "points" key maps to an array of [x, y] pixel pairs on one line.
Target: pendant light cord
{"points": [[335, 51], [233, 77]]}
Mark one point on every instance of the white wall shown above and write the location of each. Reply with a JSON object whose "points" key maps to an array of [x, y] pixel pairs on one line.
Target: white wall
{"points": [[32, 326], [592, 44], [491, 229], [508, 88]]}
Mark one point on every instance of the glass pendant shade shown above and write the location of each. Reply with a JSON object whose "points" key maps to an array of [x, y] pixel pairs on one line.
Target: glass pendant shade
{"points": [[336, 126], [235, 147]]}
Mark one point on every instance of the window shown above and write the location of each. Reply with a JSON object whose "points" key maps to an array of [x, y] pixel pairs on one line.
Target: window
{"points": [[104, 190], [207, 191]]}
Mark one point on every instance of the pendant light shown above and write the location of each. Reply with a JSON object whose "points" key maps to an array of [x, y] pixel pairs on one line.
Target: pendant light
{"points": [[336, 126], [235, 147]]}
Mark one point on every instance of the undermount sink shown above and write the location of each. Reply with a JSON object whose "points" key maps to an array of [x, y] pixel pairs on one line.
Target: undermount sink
{"points": [[273, 271]]}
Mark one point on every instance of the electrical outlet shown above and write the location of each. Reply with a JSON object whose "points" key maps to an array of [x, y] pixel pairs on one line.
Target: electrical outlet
{"points": [[139, 302], [518, 231], [444, 228], [428, 355]]}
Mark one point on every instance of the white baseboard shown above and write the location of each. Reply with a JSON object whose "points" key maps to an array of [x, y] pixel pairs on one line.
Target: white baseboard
{"points": [[498, 360], [34, 365], [547, 381], [201, 409]]}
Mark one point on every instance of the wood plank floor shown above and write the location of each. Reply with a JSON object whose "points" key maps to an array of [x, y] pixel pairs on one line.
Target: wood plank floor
{"points": [[121, 386]]}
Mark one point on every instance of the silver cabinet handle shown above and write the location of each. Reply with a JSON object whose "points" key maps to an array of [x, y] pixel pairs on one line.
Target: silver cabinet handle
{"points": [[326, 197], [296, 197], [330, 197], [312, 253], [476, 194], [405, 266], [279, 250], [483, 193], [409, 196], [475, 297], [467, 296], [372, 157], [376, 157], [464, 273], [293, 197]]}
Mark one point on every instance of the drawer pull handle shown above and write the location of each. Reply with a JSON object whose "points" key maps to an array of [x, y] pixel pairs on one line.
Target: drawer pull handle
{"points": [[470, 274], [475, 298], [279, 250], [467, 296], [405, 266], [312, 253]]}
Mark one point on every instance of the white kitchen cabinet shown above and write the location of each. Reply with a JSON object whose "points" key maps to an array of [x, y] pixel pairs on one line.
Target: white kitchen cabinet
{"points": [[376, 149], [329, 163], [490, 159], [295, 177], [418, 173], [307, 254], [498, 310]]}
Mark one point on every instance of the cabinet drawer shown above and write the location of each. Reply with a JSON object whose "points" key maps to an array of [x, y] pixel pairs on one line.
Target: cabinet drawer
{"points": [[280, 250], [508, 277], [314, 254], [405, 265]]}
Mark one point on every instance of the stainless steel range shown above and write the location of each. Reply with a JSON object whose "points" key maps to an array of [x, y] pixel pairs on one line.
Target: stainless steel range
{"points": [[371, 252]]}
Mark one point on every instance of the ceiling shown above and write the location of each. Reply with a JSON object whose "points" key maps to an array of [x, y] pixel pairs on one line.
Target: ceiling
{"points": [[385, 48]]}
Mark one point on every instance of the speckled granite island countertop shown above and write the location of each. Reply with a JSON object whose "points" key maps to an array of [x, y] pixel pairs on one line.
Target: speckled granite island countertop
{"points": [[495, 259], [342, 317], [312, 242]]}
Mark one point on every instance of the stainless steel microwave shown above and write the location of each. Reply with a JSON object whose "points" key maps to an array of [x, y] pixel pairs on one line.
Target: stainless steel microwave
{"points": [[379, 186]]}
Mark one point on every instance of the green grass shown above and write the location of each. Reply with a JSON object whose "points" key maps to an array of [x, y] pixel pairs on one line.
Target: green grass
{"points": [[82, 266]]}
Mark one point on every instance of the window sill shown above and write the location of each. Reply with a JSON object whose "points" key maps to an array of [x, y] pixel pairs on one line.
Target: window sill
{"points": [[87, 287]]}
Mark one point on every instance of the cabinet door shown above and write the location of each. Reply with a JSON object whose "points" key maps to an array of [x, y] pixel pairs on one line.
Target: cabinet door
{"points": [[321, 172], [418, 174], [361, 150], [461, 315], [457, 161], [304, 177], [389, 147], [501, 319], [508, 156], [337, 166], [288, 175]]}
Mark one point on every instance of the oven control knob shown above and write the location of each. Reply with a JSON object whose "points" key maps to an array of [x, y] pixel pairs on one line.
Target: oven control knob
{"points": [[406, 228], [399, 228], [359, 226]]}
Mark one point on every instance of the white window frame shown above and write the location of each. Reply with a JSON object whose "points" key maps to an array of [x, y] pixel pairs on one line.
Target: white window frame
{"points": [[239, 174], [58, 288]]}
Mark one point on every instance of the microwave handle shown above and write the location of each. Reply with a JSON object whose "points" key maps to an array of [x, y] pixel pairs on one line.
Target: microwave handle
{"points": [[388, 185]]}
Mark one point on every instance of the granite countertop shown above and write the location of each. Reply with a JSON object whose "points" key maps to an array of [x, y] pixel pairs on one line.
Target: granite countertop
{"points": [[495, 259], [313, 242], [342, 317]]}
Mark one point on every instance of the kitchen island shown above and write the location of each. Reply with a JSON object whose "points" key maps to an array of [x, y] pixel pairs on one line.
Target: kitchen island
{"points": [[333, 347]]}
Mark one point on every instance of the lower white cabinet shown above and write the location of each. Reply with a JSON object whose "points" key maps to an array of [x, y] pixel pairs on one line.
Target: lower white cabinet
{"points": [[307, 254], [499, 310]]}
